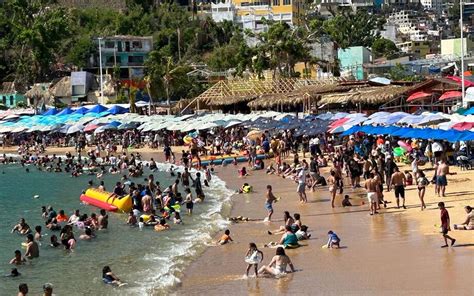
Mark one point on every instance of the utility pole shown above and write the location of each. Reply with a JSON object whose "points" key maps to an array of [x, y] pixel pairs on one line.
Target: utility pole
{"points": [[100, 69]]}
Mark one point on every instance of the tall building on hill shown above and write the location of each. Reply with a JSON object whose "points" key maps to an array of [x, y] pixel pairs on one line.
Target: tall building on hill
{"points": [[249, 14]]}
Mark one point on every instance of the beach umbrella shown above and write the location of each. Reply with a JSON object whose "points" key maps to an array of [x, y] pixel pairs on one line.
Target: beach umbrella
{"points": [[411, 119], [394, 118], [97, 109], [232, 123], [463, 126], [469, 111], [65, 111], [81, 111], [405, 146], [115, 123], [432, 119], [104, 128], [90, 127], [74, 129], [339, 115], [339, 122], [128, 125], [52, 111], [418, 96], [117, 110], [450, 95]]}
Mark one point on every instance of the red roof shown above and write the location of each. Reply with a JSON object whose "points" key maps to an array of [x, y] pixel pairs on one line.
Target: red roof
{"points": [[450, 95], [418, 95], [467, 83]]}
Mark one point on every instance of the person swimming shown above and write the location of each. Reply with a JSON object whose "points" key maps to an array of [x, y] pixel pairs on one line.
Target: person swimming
{"points": [[108, 277]]}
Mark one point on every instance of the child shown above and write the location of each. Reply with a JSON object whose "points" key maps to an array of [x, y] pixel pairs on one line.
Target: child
{"points": [[346, 202], [409, 178], [246, 188], [243, 172], [445, 225], [54, 241], [253, 257], [38, 233], [141, 224], [302, 233], [333, 241], [225, 238]]}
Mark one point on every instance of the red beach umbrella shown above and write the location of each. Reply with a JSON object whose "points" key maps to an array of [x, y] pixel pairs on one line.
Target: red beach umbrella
{"points": [[339, 122], [449, 95], [91, 127], [463, 126], [418, 95]]}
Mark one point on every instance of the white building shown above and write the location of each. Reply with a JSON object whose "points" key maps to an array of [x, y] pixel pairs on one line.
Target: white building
{"points": [[432, 4]]}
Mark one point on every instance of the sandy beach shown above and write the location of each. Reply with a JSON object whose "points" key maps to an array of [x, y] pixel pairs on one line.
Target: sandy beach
{"points": [[394, 253]]}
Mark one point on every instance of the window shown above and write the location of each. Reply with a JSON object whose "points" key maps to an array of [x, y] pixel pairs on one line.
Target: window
{"points": [[136, 44], [286, 2], [109, 44], [12, 101], [4, 101], [276, 2], [135, 59]]}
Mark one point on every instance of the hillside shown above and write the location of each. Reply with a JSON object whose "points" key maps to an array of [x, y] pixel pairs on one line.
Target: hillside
{"points": [[115, 4]]}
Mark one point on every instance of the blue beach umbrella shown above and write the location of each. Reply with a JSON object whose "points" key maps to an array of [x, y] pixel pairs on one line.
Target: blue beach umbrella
{"points": [[52, 111], [97, 109], [117, 110], [65, 111], [82, 111]]}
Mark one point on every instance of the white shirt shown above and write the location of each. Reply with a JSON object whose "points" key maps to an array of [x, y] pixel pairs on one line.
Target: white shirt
{"points": [[436, 147], [302, 177]]}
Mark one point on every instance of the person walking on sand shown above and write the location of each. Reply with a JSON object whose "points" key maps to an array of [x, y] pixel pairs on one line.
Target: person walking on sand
{"points": [[445, 228], [269, 200], [397, 182], [441, 180], [421, 183], [253, 257], [371, 186], [301, 189]]}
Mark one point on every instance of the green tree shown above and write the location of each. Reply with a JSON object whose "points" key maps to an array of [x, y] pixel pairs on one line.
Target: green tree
{"points": [[36, 30], [384, 48], [348, 29]]}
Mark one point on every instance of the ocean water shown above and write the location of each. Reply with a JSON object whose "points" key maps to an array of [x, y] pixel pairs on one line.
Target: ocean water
{"points": [[150, 262]]}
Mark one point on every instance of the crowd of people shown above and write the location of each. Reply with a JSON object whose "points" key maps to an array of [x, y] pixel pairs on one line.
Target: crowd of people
{"points": [[361, 161]]}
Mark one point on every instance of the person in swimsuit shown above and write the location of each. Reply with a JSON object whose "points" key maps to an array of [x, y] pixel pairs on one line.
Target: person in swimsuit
{"points": [[398, 182], [32, 248], [22, 227], [18, 259], [445, 228], [225, 238], [278, 264], [109, 278], [468, 224], [332, 186], [269, 199]]}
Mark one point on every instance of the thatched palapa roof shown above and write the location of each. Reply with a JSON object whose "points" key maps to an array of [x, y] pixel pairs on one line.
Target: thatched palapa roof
{"points": [[39, 91], [62, 88], [369, 95], [229, 92]]}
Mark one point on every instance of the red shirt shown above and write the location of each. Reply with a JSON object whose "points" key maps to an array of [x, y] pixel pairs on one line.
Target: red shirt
{"points": [[444, 218]]}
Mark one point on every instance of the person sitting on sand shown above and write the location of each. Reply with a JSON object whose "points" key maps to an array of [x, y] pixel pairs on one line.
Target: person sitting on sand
{"points": [[109, 278], [409, 178], [468, 224], [346, 202], [289, 239], [333, 241], [18, 259], [22, 227], [253, 257], [302, 233], [289, 221], [162, 225], [225, 238], [278, 264], [32, 249]]}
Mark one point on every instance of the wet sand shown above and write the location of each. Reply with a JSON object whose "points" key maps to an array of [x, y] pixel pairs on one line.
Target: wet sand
{"points": [[394, 253]]}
